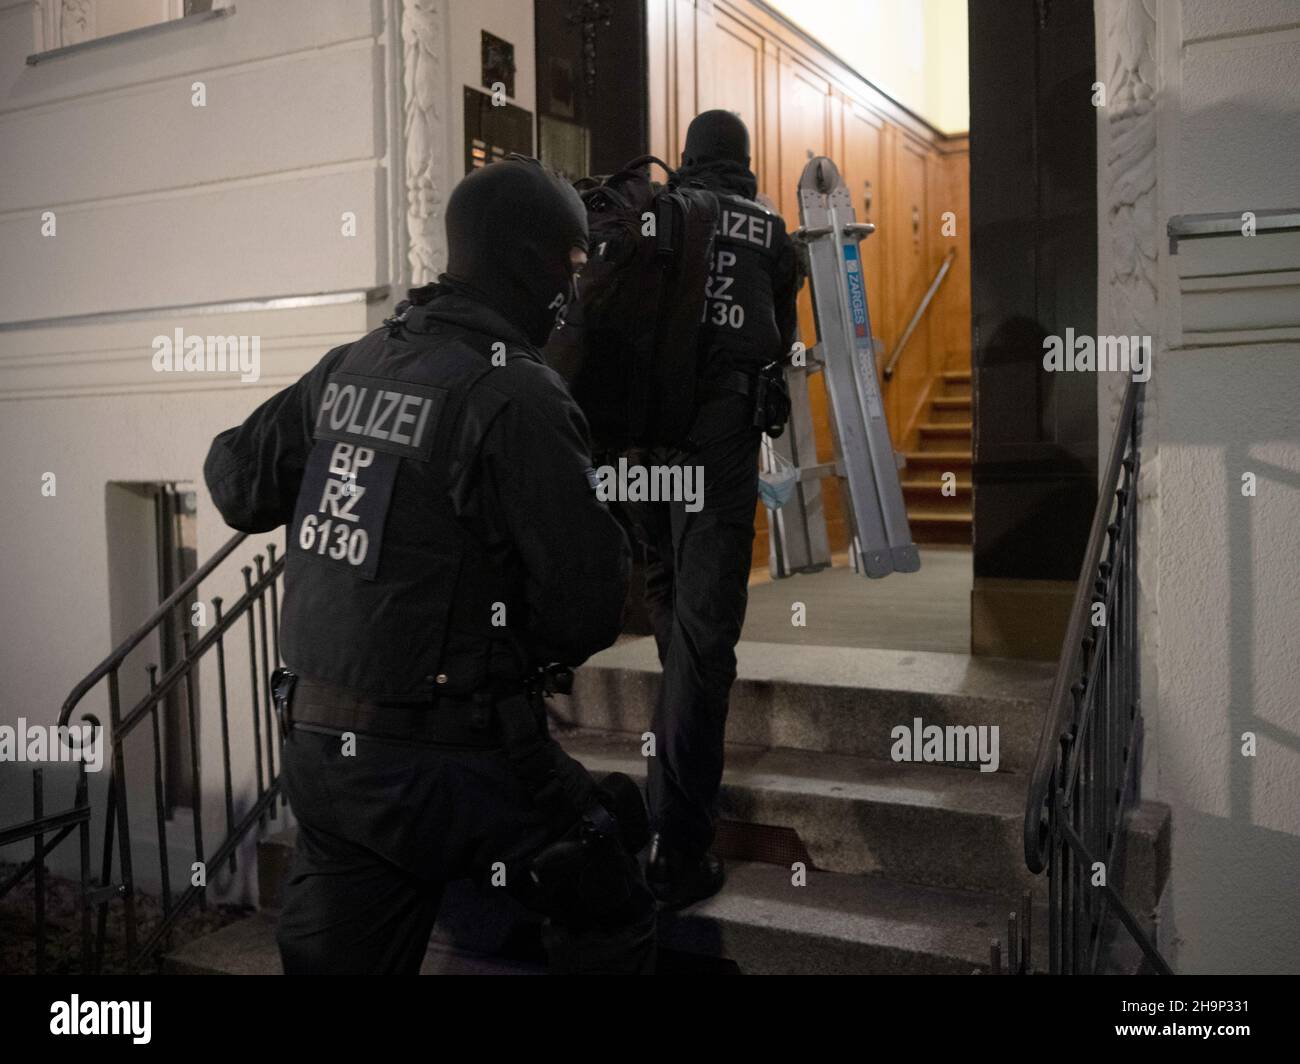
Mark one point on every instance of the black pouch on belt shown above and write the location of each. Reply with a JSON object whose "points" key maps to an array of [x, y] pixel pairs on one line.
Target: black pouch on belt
{"points": [[771, 400], [282, 684]]}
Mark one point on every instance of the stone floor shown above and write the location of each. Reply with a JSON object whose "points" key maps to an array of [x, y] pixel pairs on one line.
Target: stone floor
{"points": [[925, 610]]}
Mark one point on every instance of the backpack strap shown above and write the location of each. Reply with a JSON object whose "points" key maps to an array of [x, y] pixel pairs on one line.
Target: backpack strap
{"points": [[642, 161]]}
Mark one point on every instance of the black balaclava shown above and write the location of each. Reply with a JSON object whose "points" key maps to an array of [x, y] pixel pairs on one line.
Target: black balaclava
{"points": [[510, 228], [716, 154]]}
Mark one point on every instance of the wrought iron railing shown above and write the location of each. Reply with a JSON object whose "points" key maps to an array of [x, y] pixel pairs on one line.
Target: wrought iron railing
{"points": [[1085, 774], [63, 825], [261, 590]]}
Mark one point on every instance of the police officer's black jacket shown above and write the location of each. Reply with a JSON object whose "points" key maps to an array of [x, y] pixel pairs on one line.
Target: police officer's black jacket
{"points": [[749, 315], [443, 532]]}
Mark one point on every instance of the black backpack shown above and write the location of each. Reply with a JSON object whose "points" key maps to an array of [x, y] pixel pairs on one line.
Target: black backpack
{"points": [[628, 350]]}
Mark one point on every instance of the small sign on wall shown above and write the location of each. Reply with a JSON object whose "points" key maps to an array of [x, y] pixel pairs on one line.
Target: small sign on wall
{"points": [[494, 130]]}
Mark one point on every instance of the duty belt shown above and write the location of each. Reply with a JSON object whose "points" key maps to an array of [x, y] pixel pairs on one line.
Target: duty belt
{"points": [[732, 381], [440, 721]]}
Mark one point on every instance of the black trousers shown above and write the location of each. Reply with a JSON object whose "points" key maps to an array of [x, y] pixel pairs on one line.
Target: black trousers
{"points": [[697, 580], [380, 834]]}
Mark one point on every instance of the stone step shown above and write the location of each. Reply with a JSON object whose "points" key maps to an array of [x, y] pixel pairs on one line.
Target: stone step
{"points": [[927, 824], [761, 922], [483, 931], [843, 925], [844, 700], [917, 823]]}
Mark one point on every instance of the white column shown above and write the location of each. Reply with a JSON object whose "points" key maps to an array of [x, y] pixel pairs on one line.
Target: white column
{"points": [[426, 98]]}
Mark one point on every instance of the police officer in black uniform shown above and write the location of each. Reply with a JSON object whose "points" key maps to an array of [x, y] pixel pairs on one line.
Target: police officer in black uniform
{"points": [[444, 544], [697, 564]]}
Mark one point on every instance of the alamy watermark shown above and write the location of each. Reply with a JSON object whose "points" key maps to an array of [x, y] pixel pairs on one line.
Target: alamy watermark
{"points": [[102, 1017], [179, 353], [1087, 354], [39, 743], [630, 482], [951, 744]]}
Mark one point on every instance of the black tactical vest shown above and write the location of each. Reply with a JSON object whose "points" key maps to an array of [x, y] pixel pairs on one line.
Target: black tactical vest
{"points": [[739, 322], [386, 593]]}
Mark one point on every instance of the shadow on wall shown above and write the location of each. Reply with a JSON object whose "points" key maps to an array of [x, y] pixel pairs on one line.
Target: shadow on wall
{"points": [[1237, 880]]}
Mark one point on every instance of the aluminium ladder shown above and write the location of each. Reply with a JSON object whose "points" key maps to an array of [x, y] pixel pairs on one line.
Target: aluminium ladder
{"points": [[865, 459]]}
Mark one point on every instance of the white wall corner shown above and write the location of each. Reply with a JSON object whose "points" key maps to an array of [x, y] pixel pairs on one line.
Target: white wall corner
{"points": [[1129, 254], [392, 126]]}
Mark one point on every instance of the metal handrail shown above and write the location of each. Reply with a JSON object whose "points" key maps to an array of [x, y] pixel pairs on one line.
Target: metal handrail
{"points": [[263, 655], [141, 633], [1060, 703], [1087, 760], [76, 819], [921, 308]]}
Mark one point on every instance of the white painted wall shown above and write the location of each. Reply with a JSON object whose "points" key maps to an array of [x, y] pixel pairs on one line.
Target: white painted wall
{"points": [[161, 206], [1221, 582]]}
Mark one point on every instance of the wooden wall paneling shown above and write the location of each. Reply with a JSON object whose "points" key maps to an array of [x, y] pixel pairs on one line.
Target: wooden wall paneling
{"points": [[806, 126], [859, 161], [707, 46], [658, 86], [732, 54], [836, 108], [794, 44], [769, 177], [686, 84], [909, 263], [950, 191]]}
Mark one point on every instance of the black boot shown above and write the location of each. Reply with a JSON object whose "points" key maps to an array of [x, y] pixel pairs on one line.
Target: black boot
{"points": [[679, 879]]}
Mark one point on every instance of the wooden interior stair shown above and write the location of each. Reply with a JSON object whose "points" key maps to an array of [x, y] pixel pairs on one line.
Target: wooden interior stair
{"points": [[943, 445]]}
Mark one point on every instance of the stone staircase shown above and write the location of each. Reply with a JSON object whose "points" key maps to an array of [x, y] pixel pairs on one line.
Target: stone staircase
{"points": [[943, 446], [841, 860]]}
